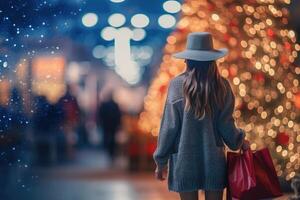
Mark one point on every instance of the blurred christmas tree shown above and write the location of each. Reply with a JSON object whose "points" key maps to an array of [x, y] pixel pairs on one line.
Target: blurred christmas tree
{"points": [[259, 66]]}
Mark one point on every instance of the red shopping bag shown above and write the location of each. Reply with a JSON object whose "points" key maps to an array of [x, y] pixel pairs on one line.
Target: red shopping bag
{"points": [[266, 181], [267, 184], [241, 176]]}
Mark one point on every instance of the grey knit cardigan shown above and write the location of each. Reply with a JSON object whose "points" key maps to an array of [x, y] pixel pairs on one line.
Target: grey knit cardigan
{"points": [[193, 148]]}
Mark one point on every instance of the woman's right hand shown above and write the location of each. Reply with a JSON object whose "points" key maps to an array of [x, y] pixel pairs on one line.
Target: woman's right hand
{"points": [[246, 145], [159, 174]]}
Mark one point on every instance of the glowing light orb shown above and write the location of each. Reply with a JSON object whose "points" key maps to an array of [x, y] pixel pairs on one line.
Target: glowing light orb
{"points": [[172, 6], [89, 19], [108, 33], [138, 34], [116, 20], [166, 21], [140, 20]]}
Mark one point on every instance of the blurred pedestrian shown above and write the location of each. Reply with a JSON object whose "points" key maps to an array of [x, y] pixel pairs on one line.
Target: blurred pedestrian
{"points": [[43, 124], [18, 118], [109, 119], [13, 124], [5, 151], [70, 121], [56, 118]]}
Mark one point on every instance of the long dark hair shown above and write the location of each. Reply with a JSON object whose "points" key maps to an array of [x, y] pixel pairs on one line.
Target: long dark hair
{"points": [[203, 88]]}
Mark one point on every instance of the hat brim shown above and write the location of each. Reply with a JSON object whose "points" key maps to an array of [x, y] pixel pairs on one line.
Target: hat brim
{"points": [[201, 55]]}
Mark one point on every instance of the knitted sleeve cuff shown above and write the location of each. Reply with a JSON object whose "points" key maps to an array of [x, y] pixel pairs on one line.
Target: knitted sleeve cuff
{"points": [[161, 166]]}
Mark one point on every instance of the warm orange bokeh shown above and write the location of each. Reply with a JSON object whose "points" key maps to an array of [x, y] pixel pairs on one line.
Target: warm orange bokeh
{"points": [[48, 76]]}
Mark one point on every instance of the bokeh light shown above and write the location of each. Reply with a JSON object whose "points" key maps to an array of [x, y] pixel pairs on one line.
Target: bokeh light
{"points": [[99, 51], [116, 20], [140, 20], [167, 21], [89, 19], [172, 6], [108, 33], [117, 1], [138, 34]]}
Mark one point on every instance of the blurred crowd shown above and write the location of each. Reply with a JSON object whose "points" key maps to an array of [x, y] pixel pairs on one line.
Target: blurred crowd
{"points": [[50, 133], [53, 130]]}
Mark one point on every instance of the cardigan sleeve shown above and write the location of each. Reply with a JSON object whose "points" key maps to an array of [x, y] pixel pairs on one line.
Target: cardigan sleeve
{"points": [[169, 129], [232, 136]]}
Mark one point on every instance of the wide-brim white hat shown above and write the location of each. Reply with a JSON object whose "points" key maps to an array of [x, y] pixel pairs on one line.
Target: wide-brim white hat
{"points": [[199, 47]]}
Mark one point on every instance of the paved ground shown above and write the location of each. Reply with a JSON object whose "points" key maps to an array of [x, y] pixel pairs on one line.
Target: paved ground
{"points": [[91, 178]]}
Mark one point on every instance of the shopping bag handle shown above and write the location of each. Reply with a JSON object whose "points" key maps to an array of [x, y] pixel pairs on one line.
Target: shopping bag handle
{"points": [[241, 151]]}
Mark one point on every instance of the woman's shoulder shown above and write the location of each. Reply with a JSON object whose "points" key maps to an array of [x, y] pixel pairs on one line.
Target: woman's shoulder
{"points": [[175, 91], [177, 80], [229, 92], [227, 84]]}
